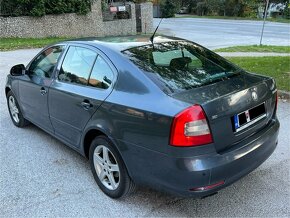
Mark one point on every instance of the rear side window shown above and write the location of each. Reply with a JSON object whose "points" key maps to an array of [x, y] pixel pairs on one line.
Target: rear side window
{"points": [[102, 75], [180, 65], [77, 65]]}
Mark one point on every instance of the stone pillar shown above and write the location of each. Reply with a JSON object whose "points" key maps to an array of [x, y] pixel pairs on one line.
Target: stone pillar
{"points": [[147, 17], [96, 15]]}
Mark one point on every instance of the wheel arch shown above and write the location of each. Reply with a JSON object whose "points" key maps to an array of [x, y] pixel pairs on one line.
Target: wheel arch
{"points": [[90, 135], [94, 132], [7, 89]]}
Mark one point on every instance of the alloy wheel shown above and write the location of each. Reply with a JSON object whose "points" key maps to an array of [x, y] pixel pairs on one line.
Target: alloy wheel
{"points": [[13, 108], [106, 167]]}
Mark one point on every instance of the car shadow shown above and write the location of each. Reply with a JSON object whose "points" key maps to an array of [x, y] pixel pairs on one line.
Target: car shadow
{"points": [[244, 198]]}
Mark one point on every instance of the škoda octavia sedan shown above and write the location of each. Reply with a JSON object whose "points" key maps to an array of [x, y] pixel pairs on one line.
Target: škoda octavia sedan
{"points": [[171, 114]]}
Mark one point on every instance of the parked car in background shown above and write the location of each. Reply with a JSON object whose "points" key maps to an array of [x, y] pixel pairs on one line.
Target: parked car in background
{"points": [[170, 114], [183, 10]]}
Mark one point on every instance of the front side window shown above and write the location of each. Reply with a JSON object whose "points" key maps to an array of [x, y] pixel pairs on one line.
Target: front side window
{"points": [[77, 65], [45, 63], [102, 75]]}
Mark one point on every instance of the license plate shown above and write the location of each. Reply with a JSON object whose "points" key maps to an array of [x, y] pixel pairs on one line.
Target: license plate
{"points": [[248, 117]]}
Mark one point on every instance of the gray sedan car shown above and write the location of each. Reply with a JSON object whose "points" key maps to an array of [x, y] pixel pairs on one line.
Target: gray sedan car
{"points": [[168, 114]]}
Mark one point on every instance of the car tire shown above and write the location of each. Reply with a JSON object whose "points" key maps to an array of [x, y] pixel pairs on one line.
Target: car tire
{"points": [[15, 112], [109, 169]]}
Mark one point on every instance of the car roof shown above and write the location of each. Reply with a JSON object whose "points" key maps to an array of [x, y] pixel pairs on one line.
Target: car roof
{"points": [[120, 43]]}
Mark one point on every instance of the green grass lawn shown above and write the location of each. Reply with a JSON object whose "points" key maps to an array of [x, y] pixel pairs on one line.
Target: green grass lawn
{"points": [[276, 67], [256, 48], [18, 43]]}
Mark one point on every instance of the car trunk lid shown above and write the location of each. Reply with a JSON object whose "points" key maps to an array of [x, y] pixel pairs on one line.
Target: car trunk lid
{"points": [[235, 108]]}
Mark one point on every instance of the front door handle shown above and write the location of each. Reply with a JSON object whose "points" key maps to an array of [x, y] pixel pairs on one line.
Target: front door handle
{"points": [[43, 91], [86, 104]]}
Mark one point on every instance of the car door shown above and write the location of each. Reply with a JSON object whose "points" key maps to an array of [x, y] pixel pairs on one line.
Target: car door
{"points": [[33, 87], [83, 82]]}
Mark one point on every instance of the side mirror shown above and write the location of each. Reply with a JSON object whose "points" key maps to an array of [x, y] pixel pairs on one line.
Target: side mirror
{"points": [[17, 70]]}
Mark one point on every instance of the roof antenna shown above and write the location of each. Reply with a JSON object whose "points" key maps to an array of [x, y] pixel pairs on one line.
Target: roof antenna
{"points": [[152, 37]]}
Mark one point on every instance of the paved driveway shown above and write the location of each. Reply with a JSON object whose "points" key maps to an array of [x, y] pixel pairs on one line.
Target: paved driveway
{"points": [[216, 33], [39, 176]]}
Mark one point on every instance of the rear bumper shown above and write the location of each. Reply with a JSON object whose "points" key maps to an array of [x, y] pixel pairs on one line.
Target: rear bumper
{"points": [[177, 175]]}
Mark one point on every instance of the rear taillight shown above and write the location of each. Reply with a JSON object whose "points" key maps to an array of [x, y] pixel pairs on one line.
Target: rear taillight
{"points": [[190, 128]]}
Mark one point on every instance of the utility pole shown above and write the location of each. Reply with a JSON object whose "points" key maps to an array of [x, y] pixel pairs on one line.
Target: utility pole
{"points": [[265, 16]]}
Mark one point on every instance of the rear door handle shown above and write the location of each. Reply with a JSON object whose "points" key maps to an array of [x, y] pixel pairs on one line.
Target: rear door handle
{"points": [[86, 104], [43, 91]]}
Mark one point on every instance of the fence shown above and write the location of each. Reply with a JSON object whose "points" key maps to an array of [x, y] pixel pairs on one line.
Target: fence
{"points": [[93, 24]]}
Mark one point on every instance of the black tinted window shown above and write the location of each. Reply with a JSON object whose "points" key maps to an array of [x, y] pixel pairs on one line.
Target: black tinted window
{"points": [[180, 65], [44, 64], [102, 75], [77, 65]]}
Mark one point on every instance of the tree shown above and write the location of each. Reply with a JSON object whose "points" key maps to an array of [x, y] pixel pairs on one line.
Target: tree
{"points": [[217, 7], [223, 7], [201, 8], [168, 9], [286, 12]]}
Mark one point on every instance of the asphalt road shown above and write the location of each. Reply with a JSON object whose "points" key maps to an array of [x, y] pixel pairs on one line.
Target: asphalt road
{"points": [[217, 33], [39, 176]]}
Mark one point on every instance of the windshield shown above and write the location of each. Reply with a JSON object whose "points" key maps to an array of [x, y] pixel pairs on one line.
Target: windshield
{"points": [[180, 65]]}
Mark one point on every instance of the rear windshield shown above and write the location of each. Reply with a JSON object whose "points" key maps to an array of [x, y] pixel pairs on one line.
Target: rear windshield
{"points": [[180, 65]]}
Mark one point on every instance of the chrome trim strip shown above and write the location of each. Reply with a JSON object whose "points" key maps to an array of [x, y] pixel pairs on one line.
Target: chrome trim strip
{"points": [[250, 123]]}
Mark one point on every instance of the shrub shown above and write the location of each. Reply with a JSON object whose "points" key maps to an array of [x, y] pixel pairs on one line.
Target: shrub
{"points": [[41, 7], [38, 8]]}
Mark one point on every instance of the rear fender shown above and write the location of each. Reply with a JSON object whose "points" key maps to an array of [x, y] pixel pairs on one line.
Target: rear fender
{"points": [[104, 127]]}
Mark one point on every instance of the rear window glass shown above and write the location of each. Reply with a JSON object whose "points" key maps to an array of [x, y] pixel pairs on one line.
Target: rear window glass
{"points": [[180, 65]]}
